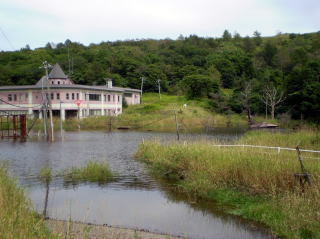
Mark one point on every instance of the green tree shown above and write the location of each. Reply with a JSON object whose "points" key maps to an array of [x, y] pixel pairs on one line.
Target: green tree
{"points": [[226, 35], [268, 53], [257, 38], [200, 86]]}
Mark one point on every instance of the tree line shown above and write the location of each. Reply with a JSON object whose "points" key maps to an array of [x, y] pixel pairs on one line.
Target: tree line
{"points": [[273, 75]]}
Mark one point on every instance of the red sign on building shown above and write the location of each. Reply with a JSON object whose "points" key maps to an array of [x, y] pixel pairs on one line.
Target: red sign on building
{"points": [[78, 102]]}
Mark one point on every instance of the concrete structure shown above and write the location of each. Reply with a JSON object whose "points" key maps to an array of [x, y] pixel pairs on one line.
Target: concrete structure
{"points": [[64, 96]]}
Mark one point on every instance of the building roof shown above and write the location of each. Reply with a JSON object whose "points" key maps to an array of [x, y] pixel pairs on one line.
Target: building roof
{"points": [[73, 86], [57, 73], [43, 81]]}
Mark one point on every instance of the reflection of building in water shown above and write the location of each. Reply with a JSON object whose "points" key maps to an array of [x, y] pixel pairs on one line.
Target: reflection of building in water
{"points": [[65, 97]]}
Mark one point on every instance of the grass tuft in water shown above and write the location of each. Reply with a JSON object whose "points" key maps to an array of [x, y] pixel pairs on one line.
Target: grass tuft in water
{"points": [[45, 175], [91, 172]]}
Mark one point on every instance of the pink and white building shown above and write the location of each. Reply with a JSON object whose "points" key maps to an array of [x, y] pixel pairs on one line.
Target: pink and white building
{"points": [[67, 99]]}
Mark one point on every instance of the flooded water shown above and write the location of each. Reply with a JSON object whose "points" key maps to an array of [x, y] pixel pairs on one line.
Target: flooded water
{"points": [[135, 200]]}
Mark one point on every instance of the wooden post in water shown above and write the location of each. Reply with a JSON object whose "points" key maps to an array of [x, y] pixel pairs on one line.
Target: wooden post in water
{"points": [[61, 127], [177, 125], [110, 123], [23, 127], [14, 121], [44, 213]]}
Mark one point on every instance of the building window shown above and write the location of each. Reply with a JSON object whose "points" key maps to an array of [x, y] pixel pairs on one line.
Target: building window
{"points": [[9, 97], [94, 97], [127, 94], [26, 95], [77, 96], [52, 96], [67, 96], [118, 98], [109, 98], [72, 96], [58, 82], [14, 97], [113, 99], [58, 96]]}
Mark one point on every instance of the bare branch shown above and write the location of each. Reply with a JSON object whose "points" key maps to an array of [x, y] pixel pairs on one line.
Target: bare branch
{"points": [[272, 97]]}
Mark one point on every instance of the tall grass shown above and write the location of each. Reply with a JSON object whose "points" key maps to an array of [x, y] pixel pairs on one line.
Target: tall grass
{"points": [[308, 138], [260, 184], [91, 172], [17, 220]]}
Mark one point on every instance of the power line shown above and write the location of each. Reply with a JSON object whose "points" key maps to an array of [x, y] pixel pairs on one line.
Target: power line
{"points": [[5, 36], [18, 106]]}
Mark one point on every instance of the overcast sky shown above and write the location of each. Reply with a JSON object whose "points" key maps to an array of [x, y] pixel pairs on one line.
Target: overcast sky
{"points": [[36, 22]]}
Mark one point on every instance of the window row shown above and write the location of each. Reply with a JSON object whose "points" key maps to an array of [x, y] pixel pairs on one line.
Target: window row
{"points": [[106, 98], [14, 97], [69, 96], [58, 82]]}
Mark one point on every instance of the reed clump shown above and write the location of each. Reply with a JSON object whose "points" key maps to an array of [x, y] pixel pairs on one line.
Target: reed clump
{"points": [[91, 172], [259, 183], [17, 220], [45, 175]]}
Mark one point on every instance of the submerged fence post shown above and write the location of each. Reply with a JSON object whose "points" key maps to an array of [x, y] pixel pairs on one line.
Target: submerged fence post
{"points": [[177, 125], [304, 176], [23, 127], [14, 122]]}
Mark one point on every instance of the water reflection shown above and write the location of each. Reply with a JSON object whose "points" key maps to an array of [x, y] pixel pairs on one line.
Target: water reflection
{"points": [[134, 200]]}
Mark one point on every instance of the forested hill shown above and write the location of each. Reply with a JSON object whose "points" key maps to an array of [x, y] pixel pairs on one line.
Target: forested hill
{"points": [[234, 72]]}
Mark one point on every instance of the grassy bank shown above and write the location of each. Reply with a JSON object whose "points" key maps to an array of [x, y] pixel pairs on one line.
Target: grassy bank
{"points": [[16, 218], [257, 184], [157, 115], [192, 115]]}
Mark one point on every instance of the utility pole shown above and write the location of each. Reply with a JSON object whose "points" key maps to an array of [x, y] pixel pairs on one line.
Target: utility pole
{"points": [[79, 127], [44, 109], [61, 120], [46, 65], [142, 80], [69, 61], [71, 65], [158, 81]]}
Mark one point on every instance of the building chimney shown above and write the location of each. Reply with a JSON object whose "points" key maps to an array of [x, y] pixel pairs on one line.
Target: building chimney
{"points": [[109, 83]]}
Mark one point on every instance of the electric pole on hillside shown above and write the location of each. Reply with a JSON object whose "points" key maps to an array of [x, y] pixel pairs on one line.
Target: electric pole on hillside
{"points": [[46, 66], [158, 81], [142, 80]]}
